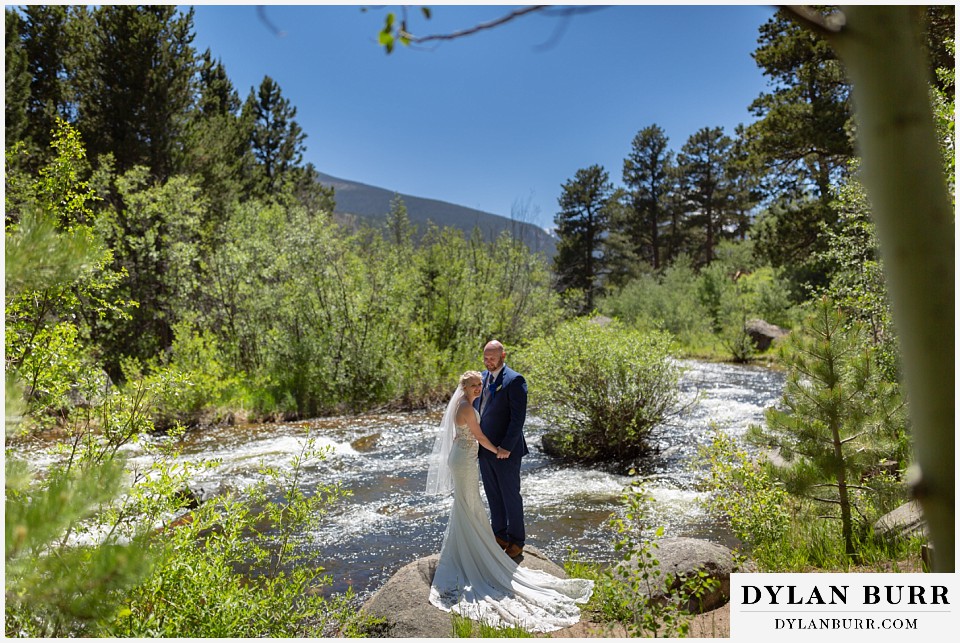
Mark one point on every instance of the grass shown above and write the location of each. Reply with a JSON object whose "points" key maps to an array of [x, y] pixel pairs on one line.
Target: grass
{"points": [[464, 628]]}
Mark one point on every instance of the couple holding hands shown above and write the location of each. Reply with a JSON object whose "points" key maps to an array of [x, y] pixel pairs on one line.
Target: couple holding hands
{"points": [[478, 575]]}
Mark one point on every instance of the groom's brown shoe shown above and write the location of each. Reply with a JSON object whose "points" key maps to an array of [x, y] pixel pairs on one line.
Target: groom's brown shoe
{"points": [[503, 543], [514, 550]]}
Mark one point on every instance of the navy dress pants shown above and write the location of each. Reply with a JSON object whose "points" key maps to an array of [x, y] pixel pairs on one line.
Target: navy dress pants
{"points": [[501, 482]]}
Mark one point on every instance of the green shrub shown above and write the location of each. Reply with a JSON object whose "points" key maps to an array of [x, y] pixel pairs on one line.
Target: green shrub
{"points": [[238, 567], [189, 385], [603, 389], [742, 491], [667, 303], [635, 592], [785, 533]]}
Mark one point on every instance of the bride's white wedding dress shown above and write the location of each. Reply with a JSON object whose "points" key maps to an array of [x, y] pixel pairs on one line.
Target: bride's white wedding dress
{"points": [[476, 579]]}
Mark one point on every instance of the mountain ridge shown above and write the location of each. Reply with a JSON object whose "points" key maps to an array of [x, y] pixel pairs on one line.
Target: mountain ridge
{"points": [[372, 203]]}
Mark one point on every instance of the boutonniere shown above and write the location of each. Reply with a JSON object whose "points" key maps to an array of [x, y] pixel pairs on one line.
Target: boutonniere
{"points": [[498, 388]]}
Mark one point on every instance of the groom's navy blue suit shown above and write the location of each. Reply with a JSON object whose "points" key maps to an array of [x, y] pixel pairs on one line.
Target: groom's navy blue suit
{"points": [[502, 422]]}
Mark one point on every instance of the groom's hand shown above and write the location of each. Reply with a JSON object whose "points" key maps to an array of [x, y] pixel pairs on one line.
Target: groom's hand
{"points": [[502, 454]]}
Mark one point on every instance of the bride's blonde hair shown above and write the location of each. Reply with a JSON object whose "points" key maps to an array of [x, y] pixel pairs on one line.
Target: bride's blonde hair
{"points": [[469, 376]]}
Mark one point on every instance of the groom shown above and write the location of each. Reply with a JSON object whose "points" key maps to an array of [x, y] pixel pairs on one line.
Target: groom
{"points": [[503, 410]]}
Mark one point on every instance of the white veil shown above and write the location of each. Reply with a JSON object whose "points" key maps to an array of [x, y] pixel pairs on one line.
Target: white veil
{"points": [[439, 476]]}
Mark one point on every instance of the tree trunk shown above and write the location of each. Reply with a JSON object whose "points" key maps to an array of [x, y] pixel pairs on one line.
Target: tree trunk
{"points": [[881, 49]]}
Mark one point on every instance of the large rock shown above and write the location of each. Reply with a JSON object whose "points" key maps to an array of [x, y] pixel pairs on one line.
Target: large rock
{"points": [[685, 557], [903, 522], [763, 333], [404, 601]]}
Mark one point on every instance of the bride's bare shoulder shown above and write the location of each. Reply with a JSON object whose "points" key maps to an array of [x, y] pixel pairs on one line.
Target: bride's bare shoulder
{"points": [[464, 410]]}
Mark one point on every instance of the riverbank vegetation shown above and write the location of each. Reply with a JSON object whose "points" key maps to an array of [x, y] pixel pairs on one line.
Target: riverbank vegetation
{"points": [[174, 263]]}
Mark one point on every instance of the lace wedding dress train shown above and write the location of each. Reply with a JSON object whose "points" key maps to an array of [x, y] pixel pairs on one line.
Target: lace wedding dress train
{"points": [[476, 579]]}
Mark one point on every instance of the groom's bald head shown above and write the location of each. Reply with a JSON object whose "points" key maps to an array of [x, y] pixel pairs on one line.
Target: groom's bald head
{"points": [[493, 355]]}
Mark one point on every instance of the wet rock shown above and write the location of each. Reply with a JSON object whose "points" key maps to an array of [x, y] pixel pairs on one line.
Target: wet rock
{"points": [[195, 494], [365, 443]]}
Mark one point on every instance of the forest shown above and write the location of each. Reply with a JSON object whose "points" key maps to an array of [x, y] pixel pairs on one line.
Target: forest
{"points": [[172, 263]]}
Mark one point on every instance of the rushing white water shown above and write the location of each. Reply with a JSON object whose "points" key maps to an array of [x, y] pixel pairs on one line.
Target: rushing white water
{"points": [[388, 521]]}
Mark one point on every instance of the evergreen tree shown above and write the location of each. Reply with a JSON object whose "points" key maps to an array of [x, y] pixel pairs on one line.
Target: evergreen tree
{"points": [[837, 421], [743, 174], [801, 132], [647, 176], [582, 226], [16, 80], [622, 263], [857, 284], [48, 42], [706, 187], [136, 86], [276, 138], [307, 190], [677, 237], [802, 139], [217, 145]]}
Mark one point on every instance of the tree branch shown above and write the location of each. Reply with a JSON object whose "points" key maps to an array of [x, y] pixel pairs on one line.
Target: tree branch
{"points": [[513, 15]]}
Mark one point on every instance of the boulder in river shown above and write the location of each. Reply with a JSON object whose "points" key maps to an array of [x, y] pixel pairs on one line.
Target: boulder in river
{"points": [[365, 443]]}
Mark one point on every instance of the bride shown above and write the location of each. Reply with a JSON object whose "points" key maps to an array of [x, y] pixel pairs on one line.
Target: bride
{"points": [[475, 577]]}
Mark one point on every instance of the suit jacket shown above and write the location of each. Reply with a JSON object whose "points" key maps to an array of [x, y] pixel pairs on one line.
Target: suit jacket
{"points": [[505, 412]]}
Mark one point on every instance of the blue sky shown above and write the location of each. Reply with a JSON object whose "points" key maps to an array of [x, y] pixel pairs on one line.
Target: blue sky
{"points": [[499, 120]]}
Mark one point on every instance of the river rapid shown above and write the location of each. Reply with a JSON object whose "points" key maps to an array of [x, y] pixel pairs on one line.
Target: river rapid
{"points": [[388, 521]]}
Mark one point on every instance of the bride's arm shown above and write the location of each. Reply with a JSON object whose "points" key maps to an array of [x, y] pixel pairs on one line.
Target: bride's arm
{"points": [[466, 416]]}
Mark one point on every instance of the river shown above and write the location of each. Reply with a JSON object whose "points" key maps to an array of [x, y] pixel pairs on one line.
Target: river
{"points": [[388, 521]]}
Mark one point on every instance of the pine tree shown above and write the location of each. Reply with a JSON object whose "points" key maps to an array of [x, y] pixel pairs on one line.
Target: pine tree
{"points": [[48, 43], [838, 418], [647, 176], [706, 187], [802, 139], [276, 139], [801, 131], [582, 224], [136, 85], [16, 81], [217, 145]]}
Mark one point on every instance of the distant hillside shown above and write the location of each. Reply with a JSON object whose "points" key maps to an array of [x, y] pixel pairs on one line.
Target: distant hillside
{"points": [[372, 204]]}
